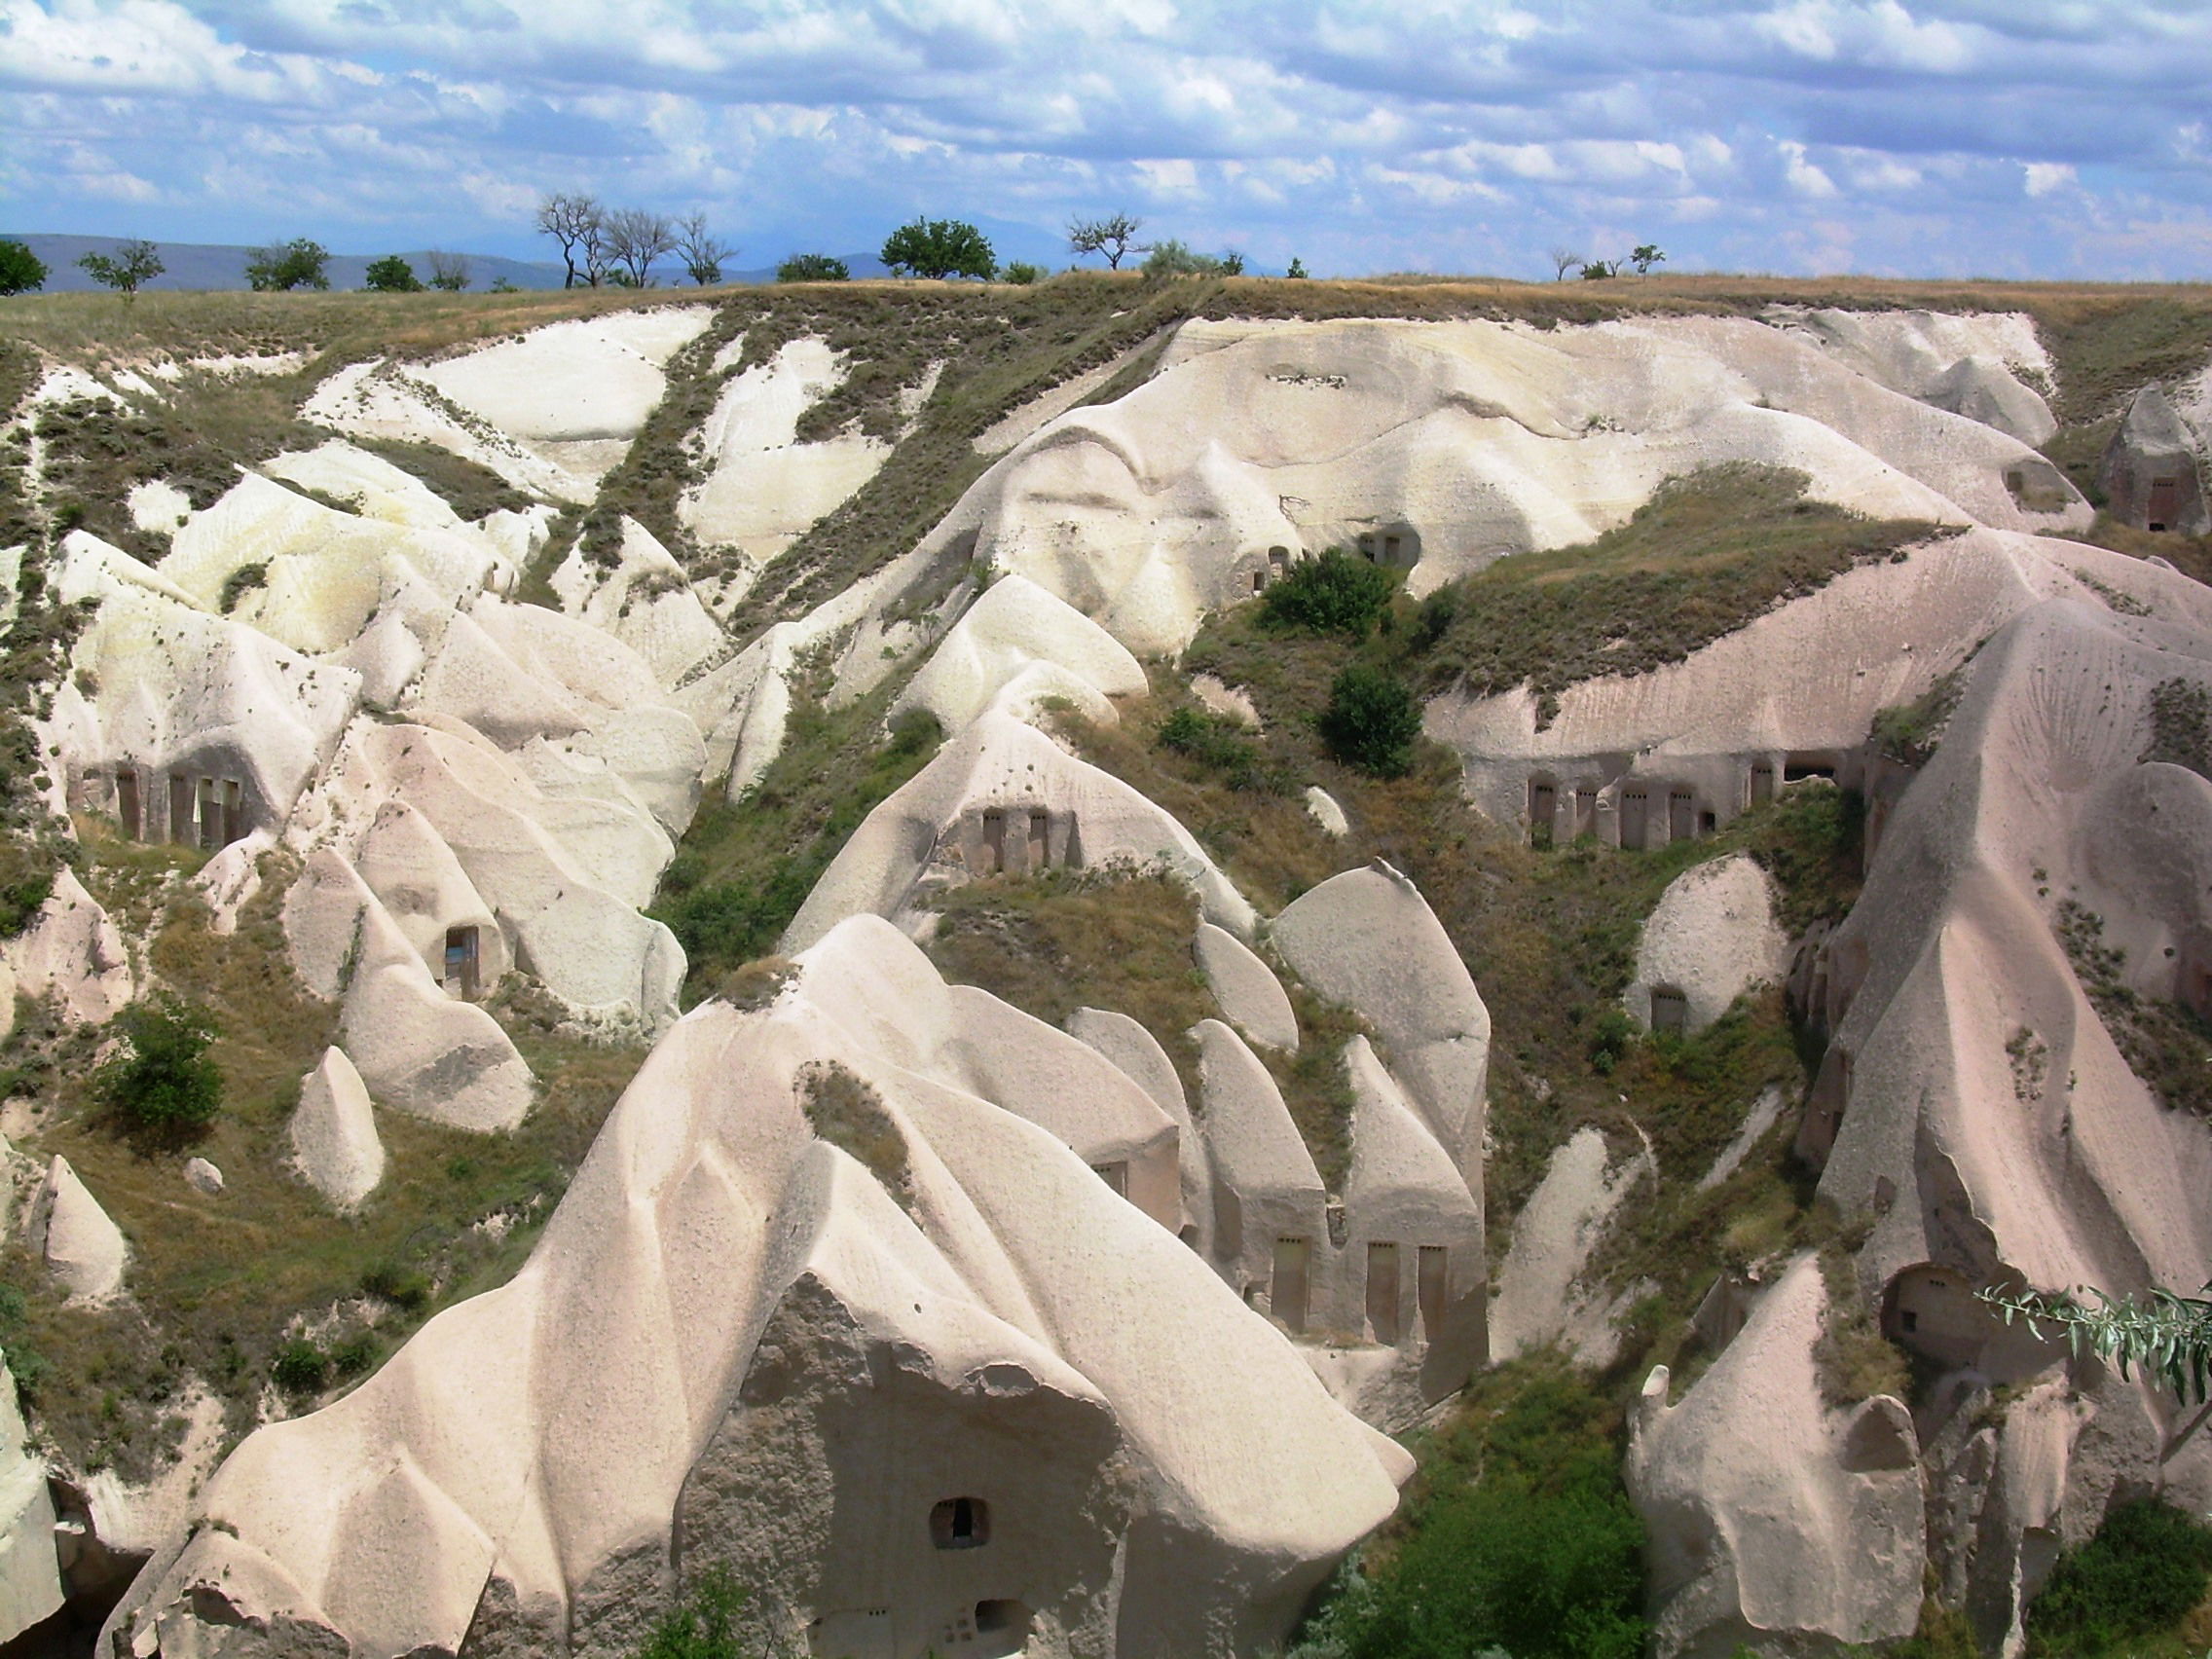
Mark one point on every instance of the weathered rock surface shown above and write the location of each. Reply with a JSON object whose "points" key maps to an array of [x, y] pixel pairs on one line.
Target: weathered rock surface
{"points": [[73, 953], [1539, 1298], [1368, 941], [1015, 646], [30, 1574], [1247, 988], [1439, 447], [1773, 1517], [731, 1321]]}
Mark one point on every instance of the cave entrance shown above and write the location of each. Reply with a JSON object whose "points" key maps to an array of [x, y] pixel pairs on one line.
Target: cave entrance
{"points": [[1383, 1293], [2165, 505], [1287, 1297]]}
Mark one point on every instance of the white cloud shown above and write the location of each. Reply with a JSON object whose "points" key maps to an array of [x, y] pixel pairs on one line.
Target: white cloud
{"points": [[1802, 175], [1353, 132]]}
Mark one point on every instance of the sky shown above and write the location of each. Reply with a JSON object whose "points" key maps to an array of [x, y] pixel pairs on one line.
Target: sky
{"points": [[2047, 138]]}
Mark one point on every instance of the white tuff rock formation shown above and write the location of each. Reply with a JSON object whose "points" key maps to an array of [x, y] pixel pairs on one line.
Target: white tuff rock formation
{"points": [[74, 1237], [333, 1132], [734, 1324]]}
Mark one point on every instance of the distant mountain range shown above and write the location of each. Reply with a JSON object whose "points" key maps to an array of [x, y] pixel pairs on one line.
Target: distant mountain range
{"points": [[216, 265]]}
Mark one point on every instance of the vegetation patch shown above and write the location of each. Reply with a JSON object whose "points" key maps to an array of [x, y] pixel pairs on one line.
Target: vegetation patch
{"points": [[1118, 939], [1909, 733], [1331, 593], [1703, 557], [743, 869], [1516, 1536], [844, 1109], [2168, 1045], [1371, 721], [2139, 1578], [471, 488], [1224, 747], [1854, 1360], [1314, 1084], [219, 1285], [2181, 726], [160, 1081]]}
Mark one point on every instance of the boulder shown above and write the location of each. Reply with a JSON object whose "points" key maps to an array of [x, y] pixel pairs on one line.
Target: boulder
{"points": [[333, 1132], [203, 1177]]}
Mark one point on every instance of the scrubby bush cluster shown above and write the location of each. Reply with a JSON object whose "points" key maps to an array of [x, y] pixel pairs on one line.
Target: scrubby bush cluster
{"points": [[1518, 1539], [2148, 1567], [1336, 593]]}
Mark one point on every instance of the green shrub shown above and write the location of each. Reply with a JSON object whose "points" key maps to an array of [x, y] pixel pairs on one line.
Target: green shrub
{"points": [[813, 267], [1611, 1036], [1542, 1576], [705, 1624], [391, 275], [1171, 258], [301, 1368], [1337, 593], [1223, 747], [243, 581], [1371, 722], [26, 882], [2148, 1567], [1519, 1537], [163, 1079], [1021, 273], [356, 1355], [402, 1287]]}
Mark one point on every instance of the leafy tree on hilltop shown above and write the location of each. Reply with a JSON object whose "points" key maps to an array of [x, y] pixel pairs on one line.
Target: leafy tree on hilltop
{"points": [[813, 267], [391, 275], [281, 267], [130, 268], [939, 248], [1645, 257], [1114, 235], [21, 272]]}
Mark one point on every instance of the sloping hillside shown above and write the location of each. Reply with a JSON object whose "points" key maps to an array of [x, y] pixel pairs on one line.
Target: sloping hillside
{"points": [[945, 945]]}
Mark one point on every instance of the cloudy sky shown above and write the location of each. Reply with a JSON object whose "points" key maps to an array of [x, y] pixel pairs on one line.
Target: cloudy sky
{"points": [[1920, 137]]}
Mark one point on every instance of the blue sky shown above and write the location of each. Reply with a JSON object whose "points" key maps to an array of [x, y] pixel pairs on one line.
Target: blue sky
{"points": [[1912, 138]]}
